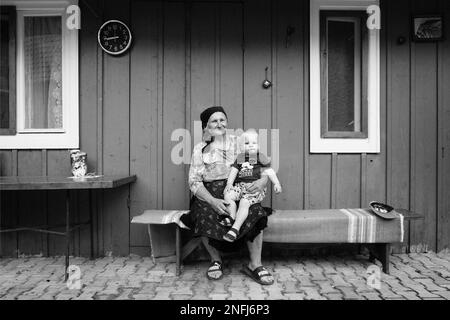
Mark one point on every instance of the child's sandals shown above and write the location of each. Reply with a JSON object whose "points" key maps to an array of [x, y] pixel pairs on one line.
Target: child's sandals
{"points": [[215, 271], [231, 236], [225, 220]]}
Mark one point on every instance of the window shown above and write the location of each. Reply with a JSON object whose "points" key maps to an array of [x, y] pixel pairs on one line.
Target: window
{"points": [[344, 78], [46, 71], [7, 70]]}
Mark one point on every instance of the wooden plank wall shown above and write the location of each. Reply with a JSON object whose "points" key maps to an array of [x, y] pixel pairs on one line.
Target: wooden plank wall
{"points": [[188, 55]]}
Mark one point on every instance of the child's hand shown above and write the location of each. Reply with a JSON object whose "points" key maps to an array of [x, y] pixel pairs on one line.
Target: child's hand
{"points": [[277, 188]]}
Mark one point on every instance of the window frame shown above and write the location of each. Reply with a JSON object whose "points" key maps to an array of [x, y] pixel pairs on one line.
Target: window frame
{"points": [[11, 12], [360, 74], [68, 136], [344, 142]]}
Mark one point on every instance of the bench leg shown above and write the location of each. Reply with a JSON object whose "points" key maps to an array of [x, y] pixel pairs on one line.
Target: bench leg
{"points": [[380, 251], [178, 250], [384, 250]]}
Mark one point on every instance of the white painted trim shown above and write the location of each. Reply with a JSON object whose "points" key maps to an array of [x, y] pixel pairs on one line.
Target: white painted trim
{"points": [[39, 5], [65, 138], [329, 145]]}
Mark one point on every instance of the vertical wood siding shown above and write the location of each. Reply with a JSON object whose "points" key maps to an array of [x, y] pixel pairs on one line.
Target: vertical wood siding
{"points": [[190, 55]]}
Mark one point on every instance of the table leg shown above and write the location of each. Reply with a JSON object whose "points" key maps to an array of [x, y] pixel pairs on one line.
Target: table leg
{"points": [[66, 272], [91, 221], [178, 250]]}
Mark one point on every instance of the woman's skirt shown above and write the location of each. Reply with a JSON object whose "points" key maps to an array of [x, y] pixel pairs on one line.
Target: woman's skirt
{"points": [[204, 221]]}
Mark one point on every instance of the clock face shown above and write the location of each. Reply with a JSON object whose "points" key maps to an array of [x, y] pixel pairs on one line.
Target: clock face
{"points": [[114, 37]]}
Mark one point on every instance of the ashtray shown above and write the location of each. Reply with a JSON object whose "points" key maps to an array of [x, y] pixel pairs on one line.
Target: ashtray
{"points": [[382, 210]]}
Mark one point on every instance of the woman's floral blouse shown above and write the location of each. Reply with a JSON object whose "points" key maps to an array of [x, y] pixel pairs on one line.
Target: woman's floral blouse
{"points": [[213, 164]]}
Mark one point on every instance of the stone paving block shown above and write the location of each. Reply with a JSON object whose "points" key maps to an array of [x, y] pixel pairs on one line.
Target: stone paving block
{"points": [[141, 270], [334, 296], [338, 281], [275, 295], [297, 268], [176, 296], [218, 296], [219, 287], [426, 294], [48, 296], [349, 293], [143, 296], [395, 285], [311, 293], [147, 288], [289, 286], [67, 296], [111, 291], [317, 275], [237, 281], [257, 296], [256, 289], [326, 287], [371, 296], [190, 275], [200, 296], [166, 281], [419, 289], [443, 294], [386, 293], [237, 295], [430, 285], [305, 281], [409, 295], [182, 290], [86, 296], [284, 277], [162, 293], [311, 266], [362, 286], [295, 296]]}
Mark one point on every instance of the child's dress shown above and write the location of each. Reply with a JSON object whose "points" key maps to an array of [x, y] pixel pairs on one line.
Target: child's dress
{"points": [[249, 169]]}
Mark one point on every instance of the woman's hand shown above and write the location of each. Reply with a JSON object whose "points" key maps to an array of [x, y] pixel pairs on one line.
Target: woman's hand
{"points": [[258, 185], [220, 206]]}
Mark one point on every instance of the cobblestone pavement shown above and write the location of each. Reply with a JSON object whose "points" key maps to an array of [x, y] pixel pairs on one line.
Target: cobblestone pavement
{"points": [[413, 277]]}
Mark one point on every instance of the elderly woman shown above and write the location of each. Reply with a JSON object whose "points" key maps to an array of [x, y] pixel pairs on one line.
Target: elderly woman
{"points": [[211, 163]]}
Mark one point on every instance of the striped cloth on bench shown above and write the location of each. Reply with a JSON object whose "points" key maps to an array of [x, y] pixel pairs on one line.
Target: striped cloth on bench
{"points": [[332, 226], [310, 226]]}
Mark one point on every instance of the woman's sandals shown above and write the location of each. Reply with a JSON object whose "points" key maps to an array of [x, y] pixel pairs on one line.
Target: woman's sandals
{"points": [[232, 235], [260, 275]]}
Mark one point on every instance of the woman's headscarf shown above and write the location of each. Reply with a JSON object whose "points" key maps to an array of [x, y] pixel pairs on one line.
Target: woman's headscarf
{"points": [[206, 114]]}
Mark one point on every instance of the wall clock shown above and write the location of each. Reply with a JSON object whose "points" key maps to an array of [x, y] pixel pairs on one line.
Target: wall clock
{"points": [[114, 37]]}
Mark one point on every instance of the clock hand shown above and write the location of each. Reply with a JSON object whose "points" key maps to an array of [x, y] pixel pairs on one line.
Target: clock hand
{"points": [[111, 38]]}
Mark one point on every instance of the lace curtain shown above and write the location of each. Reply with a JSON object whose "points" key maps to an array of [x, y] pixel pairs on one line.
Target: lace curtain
{"points": [[43, 72]]}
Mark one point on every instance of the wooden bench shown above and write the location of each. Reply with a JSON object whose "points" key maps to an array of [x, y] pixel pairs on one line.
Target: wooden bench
{"points": [[358, 226]]}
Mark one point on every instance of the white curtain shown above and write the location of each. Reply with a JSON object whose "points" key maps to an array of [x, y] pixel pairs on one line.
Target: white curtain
{"points": [[43, 72]]}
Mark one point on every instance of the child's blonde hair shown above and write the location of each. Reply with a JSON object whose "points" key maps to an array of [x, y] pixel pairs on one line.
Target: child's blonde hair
{"points": [[244, 135], [250, 132]]}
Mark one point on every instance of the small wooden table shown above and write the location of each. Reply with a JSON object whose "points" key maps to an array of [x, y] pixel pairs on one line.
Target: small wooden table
{"points": [[63, 183]]}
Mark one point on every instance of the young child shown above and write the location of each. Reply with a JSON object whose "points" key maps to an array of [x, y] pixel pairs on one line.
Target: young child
{"points": [[248, 167]]}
